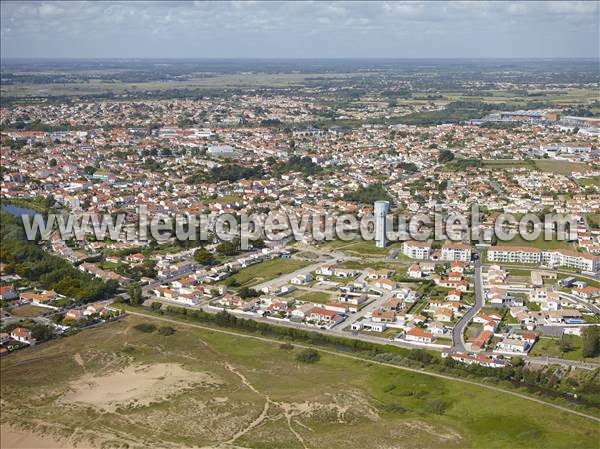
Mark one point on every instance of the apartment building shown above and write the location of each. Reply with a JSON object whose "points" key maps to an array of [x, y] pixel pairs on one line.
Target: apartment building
{"points": [[456, 252], [417, 249], [573, 259], [553, 258], [514, 254]]}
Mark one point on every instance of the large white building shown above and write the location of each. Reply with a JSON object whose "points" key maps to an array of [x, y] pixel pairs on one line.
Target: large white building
{"points": [[552, 258], [514, 254], [381, 210], [456, 252], [566, 258], [220, 151], [416, 249]]}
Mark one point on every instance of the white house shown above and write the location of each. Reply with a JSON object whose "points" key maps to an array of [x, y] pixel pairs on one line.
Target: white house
{"points": [[419, 335]]}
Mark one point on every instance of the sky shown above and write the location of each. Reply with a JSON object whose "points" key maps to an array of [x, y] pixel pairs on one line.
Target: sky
{"points": [[192, 29]]}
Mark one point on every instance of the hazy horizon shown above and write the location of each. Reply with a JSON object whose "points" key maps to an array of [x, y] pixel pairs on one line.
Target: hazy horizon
{"points": [[302, 30], [307, 58]]}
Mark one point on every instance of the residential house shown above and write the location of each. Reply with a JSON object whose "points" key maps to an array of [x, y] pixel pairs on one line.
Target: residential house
{"points": [[419, 335]]}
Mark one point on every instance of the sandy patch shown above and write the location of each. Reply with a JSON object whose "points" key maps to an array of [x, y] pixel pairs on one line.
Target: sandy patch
{"points": [[135, 385], [444, 433], [11, 438]]}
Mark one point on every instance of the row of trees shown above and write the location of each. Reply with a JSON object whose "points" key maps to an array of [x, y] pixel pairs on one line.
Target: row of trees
{"points": [[25, 258], [302, 164]]}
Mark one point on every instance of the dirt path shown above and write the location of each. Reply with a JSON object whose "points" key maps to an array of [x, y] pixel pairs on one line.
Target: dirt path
{"points": [[261, 418], [263, 415], [354, 357]]}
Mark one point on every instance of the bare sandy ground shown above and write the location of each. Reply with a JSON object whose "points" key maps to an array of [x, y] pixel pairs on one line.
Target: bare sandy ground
{"points": [[135, 385], [11, 438]]}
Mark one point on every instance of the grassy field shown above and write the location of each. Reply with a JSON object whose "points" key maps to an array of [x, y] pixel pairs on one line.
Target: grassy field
{"points": [[561, 167], [564, 96], [550, 347], [591, 181], [558, 167], [519, 272], [231, 391], [29, 311], [593, 220], [229, 199], [364, 247], [336, 244], [507, 163], [95, 87], [538, 243], [308, 296], [265, 271], [361, 247]]}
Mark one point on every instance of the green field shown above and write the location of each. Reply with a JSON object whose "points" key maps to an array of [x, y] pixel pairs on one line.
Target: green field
{"points": [[507, 163], [29, 310], [265, 271], [221, 81], [364, 247], [361, 247], [538, 243], [558, 167], [591, 181], [593, 220], [561, 167], [550, 347], [234, 391], [318, 297], [563, 96], [229, 199], [519, 272]]}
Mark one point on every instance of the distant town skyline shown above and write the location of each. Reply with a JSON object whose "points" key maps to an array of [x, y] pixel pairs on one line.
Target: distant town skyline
{"points": [[185, 29]]}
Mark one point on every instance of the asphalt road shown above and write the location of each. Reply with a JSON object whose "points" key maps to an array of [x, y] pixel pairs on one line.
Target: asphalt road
{"points": [[583, 302], [458, 342]]}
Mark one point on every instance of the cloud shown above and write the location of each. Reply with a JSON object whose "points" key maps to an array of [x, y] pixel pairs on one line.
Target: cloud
{"points": [[298, 29]]}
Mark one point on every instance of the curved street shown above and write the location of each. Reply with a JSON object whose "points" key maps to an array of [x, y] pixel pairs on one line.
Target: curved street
{"points": [[458, 341]]}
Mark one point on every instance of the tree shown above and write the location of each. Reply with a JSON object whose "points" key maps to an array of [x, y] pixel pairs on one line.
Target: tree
{"points": [[436, 406], [204, 257], [166, 331], [445, 156], [246, 292], [135, 294], [591, 341], [41, 332], [229, 248], [565, 343], [517, 361], [308, 356], [156, 306], [145, 327]]}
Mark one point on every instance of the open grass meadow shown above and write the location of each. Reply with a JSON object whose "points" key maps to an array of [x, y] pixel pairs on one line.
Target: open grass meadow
{"points": [[544, 165], [265, 271], [313, 296], [551, 347], [539, 243], [117, 386]]}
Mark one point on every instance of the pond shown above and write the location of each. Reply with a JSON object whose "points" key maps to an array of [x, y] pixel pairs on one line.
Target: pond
{"points": [[17, 211]]}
